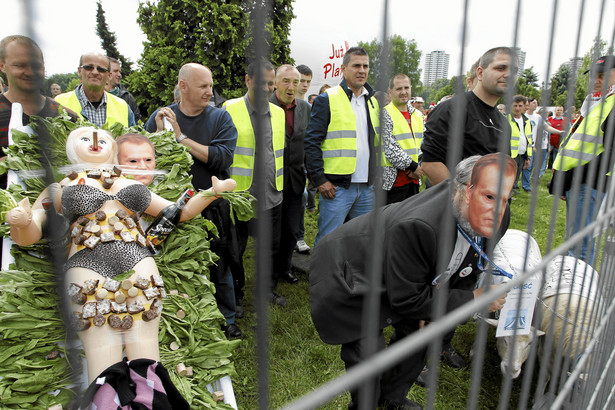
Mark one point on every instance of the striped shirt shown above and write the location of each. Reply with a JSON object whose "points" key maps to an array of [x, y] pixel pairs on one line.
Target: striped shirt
{"points": [[96, 115]]}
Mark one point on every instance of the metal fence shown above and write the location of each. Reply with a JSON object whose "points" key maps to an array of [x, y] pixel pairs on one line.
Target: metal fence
{"points": [[579, 376]]}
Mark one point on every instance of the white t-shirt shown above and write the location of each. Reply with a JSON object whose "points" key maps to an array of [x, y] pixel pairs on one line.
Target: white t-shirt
{"points": [[522, 139], [537, 121], [361, 173]]}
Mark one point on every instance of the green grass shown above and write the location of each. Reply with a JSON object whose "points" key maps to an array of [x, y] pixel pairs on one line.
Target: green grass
{"points": [[299, 361]]}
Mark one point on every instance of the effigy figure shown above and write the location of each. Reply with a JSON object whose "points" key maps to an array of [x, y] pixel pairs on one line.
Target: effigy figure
{"points": [[103, 209]]}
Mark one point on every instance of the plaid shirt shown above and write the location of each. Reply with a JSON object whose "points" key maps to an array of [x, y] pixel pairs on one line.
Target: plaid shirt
{"points": [[98, 116]]}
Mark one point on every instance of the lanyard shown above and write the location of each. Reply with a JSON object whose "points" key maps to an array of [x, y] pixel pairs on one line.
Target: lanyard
{"points": [[478, 248]]}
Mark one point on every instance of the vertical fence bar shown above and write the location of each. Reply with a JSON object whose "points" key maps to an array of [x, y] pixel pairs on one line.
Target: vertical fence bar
{"points": [[371, 303], [261, 9]]}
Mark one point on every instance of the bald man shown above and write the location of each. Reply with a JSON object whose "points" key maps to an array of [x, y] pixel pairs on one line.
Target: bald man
{"points": [[210, 134]]}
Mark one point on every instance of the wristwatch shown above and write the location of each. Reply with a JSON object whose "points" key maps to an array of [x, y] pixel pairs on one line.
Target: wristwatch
{"points": [[181, 137]]}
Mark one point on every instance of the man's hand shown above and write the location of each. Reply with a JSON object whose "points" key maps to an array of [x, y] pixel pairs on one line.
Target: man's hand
{"points": [[436, 172], [496, 304], [526, 165], [417, 174], [167, 113], [327, 190]]}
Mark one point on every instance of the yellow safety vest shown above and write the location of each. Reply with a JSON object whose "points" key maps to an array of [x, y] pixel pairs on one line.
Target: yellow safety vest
{"points": [[339, 149], [587, 141], [117, 109], [515, 136], [408, 139], [242, 168]]}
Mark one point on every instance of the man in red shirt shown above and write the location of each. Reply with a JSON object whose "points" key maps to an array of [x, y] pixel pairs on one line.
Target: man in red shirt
{"points": [[556, 121]]}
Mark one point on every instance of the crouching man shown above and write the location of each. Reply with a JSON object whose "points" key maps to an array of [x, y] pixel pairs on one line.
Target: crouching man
{"points": [[413, 238]]}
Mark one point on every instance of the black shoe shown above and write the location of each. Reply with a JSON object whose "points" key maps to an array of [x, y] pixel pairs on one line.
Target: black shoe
{"points": [[239, 312], [451, 357], [423, 377], [232, 331], [276, 299], [406, 404], [289, 277]]}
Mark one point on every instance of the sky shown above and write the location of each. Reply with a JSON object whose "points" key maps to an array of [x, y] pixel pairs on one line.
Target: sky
{"points": [[65, 29]]}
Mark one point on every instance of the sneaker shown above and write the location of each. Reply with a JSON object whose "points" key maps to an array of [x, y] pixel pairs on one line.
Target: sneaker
{"points": [[276, 299], [302, 247], [451, 357]]}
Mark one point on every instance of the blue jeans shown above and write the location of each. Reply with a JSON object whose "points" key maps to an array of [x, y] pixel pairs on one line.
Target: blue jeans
{"points": [[357, 200], [575, 222], [545, 159], [525, 175]]}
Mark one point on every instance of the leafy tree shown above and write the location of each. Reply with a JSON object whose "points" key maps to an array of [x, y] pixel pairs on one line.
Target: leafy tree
{"points": [[404, 57], [559, 84], [430, 91], [63, 80], [213, 33], [108, 41], [527, 84], [448, 89], [73, 84]]}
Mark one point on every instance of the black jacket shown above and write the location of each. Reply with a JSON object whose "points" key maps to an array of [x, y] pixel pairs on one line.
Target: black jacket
{"points": [[411, 259]]}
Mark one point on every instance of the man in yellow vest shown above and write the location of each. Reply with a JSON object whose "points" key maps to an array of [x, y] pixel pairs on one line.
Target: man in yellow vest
{"points": [[586, 154], [260, 148], [90, 100], [402, 134], [340, 143], [520, 138]]}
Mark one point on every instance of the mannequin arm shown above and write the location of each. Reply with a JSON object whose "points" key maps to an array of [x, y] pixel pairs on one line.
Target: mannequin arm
{"points": [[197, 203], [26, 224]]}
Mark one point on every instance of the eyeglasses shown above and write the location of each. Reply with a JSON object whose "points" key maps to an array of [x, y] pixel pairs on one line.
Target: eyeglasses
{"points": [[90, 67]]}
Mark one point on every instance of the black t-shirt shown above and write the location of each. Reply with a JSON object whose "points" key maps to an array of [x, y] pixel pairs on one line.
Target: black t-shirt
{"points": [[484, 129]]}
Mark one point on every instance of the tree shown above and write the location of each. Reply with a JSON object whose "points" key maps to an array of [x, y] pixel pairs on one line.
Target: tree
{"points": [[404, 57], [559, 84], [63, 80], [430, 91], [448, 89], [213, 33], [527, 84], [598, 49], [108, 41]]}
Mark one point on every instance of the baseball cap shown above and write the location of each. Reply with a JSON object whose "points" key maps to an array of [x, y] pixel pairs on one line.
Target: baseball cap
{"points": [[604, 63]]}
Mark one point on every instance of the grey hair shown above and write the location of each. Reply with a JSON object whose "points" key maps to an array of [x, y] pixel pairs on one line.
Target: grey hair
{"points": [[463, 172]]}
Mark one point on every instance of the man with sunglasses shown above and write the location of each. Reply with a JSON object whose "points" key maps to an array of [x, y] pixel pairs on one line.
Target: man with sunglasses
{"points": [[90, 100]]}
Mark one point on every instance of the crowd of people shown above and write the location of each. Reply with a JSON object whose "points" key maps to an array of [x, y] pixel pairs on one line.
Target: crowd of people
{"points": [[346, 143]]}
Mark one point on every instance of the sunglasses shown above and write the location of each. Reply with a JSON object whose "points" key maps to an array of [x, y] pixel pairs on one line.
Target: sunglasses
{"points": [[90, 67]]}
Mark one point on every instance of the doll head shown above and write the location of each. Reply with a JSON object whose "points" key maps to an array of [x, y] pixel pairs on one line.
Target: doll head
{"points": [[80, 147]]}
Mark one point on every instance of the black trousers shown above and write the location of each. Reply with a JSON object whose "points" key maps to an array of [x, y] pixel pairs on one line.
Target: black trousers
{"points": [[249, 228], [290, 225], [394, 384], [399, 193]]}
